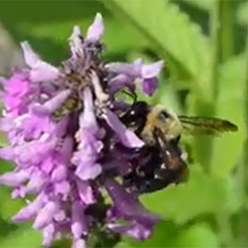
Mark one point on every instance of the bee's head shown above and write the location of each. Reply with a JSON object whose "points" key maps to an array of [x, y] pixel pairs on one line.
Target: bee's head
{"points": [[138, 109], [169, 123]]}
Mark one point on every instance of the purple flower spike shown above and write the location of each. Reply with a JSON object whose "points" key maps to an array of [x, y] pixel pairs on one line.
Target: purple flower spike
{"points": [[69, 145], [96, 30]]}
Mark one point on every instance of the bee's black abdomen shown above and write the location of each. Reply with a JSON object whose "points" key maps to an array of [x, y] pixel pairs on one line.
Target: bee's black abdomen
{"points": [[152, 169]]}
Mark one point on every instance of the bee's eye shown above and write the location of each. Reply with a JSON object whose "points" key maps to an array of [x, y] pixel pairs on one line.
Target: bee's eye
{"points": [[164, 116]]}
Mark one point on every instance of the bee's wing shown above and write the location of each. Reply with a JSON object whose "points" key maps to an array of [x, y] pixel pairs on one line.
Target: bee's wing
{"points": [[206, 125]]}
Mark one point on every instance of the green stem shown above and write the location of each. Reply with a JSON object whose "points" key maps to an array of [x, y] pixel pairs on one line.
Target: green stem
{"points": [[243, 170], [204, 145], [228, 17], [220, 52]]}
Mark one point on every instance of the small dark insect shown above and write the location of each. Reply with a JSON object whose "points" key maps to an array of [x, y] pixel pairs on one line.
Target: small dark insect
{"points": [[161, 161]]}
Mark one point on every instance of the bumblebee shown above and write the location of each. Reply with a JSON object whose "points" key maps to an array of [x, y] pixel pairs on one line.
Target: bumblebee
{"points": [[161, 161]]}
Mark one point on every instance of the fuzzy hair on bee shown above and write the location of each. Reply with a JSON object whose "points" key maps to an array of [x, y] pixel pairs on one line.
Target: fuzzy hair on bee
{"points": [[164, 120]]}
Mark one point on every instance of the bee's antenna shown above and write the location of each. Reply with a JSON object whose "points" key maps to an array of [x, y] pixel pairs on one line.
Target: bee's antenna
{"points": [[132, 95]]}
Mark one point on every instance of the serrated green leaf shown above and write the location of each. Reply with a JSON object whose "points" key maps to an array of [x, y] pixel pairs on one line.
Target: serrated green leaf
{"points": [[202, 194], [183, 41], [228, 148]]}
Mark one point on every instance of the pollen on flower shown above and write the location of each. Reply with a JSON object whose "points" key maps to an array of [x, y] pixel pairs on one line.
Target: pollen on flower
{"points": [[65, 137]]}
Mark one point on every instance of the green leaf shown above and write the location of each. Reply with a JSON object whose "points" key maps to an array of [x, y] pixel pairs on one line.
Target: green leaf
{"points": [[24, 237], [205, 5], [228, 148], [199, 235], [3, 139], [202, 194], [168, 234], [243, 13], [9, 206], [183, 41]]}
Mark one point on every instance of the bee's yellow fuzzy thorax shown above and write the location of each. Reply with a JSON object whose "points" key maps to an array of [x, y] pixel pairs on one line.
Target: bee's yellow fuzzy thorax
{"points": [[171, 126]]}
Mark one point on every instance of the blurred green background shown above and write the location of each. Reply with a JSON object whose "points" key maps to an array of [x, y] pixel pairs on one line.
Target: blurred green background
{"points": [[205, 46]]}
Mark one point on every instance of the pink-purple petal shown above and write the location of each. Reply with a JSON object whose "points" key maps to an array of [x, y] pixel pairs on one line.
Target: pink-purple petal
{"points": [[87, 118], [122, 81], [152, 70], [96, 30], [31, 210], [46, 214], [79, 243], [127, 137], [60, 173], [88, 171], [30, 56], [48, 234], [131, 70], [86, 193], [133, 229], [36, 184], [51, 105], [78, 225], [43, 71], [149, 86], [14, 179]]}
